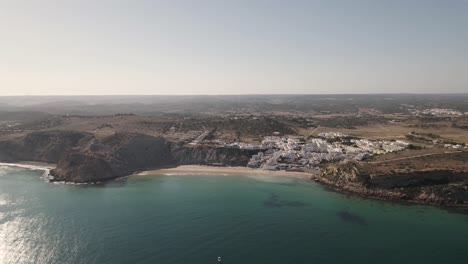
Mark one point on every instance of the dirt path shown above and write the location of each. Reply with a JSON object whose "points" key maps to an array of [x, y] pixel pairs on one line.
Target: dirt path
{"points": [[313, 131]]}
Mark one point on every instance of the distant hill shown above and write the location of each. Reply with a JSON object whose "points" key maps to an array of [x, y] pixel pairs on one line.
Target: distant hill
{"points": [[210, 104]]}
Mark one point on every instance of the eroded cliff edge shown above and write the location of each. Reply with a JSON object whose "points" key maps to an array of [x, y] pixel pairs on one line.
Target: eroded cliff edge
{"points": [[83, 158], [426, 186]]}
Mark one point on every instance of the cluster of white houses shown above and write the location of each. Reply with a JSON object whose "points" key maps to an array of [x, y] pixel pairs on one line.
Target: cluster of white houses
{"points": [[290, 152], [438, 112]]}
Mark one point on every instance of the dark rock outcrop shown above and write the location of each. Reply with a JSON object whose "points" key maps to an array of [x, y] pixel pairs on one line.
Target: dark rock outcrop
{"points": [[49, 146], [83, 168], [8, 151]]}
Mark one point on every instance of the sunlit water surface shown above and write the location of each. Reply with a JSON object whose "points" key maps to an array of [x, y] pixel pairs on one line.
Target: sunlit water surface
{"points": [[194, 219]]}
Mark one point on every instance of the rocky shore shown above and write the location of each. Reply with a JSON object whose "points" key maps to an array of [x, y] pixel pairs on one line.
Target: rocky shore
{"points": [[435, 187], [84, 158]]}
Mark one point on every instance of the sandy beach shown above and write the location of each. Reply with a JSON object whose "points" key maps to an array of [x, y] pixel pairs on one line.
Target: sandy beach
{"points": [[222, 171], [181, 170]]}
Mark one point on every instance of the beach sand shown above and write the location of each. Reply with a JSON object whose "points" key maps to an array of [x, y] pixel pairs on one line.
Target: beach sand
{"points": [[222, 171]]}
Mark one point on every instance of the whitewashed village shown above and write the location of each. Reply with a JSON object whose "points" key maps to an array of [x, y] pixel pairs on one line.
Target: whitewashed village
{"points": [[294, 152], [290, 152]]}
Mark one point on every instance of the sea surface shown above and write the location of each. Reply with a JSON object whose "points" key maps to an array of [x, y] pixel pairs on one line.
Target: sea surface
{"points": [[195, 219]]}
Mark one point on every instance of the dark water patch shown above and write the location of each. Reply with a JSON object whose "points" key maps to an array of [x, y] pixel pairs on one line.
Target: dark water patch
{"points": [[324, 234], [457, 210], [286, 183], [274, 201], [420, 211], [294, 204], [349, 217]]}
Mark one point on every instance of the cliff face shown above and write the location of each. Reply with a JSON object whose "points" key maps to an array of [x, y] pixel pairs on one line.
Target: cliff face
{"points": [[8, 151], [112, 157], [82, 168], [441, 187], [48, 146], [81, 157], [207, 155]]}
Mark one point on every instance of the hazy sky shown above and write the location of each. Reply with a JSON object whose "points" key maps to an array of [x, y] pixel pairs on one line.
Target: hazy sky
{"points": [[50, 47]]}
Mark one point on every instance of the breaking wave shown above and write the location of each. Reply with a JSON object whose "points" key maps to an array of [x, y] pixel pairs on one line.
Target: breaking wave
{"points": [[45, 168]]}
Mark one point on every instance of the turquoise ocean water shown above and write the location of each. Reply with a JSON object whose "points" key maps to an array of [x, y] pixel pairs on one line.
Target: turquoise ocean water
{"points": [[194, 219]]}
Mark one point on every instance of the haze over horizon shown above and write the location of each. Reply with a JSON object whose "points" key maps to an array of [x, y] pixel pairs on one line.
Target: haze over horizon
{"points": [[233, 47]]}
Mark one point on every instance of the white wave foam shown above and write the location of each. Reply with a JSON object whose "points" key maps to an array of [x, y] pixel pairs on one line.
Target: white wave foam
{"points": [[46, 168], [28, 166]]}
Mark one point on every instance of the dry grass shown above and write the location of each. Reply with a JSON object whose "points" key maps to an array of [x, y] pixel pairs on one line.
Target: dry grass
{"points": [[398, 131], [155, 126], [440, 161]]}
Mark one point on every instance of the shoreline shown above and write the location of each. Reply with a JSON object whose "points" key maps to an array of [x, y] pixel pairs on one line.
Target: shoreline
{"points": [[205, 170], [221, 171], [34, 165], [347, 192]]}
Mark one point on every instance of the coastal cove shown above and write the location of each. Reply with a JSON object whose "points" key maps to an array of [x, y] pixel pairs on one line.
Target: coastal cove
{"points": [[342, 178], [245, 219], [438, 178]]}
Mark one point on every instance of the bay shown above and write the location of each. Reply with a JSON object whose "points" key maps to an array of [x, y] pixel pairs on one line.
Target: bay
{"points": [[195, 219]]}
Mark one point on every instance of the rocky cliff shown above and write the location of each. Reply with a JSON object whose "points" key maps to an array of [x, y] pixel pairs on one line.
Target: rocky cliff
{"points": [[440, 187], [81, 157], [48, 146], [114, 156], [210, 156]]}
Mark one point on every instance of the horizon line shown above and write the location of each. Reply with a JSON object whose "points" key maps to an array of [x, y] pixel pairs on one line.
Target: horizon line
{"points": [[247, 94]]}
